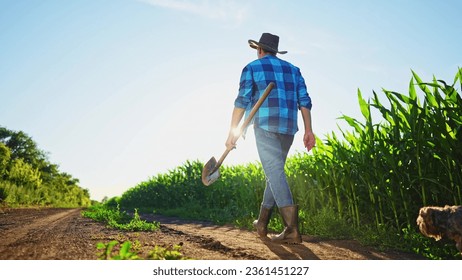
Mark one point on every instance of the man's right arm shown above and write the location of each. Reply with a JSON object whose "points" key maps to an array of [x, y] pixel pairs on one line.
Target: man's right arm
{"points": [[234, 133]]}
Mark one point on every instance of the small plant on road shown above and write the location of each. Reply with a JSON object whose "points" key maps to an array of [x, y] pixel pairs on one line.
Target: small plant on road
{"points": [[129, 252], [119, 219], [125, 252]]}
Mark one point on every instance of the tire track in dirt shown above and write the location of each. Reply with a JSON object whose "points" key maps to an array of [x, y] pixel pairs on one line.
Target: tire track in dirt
{"points": [[44, 237], [211, 244], [14, 235]]}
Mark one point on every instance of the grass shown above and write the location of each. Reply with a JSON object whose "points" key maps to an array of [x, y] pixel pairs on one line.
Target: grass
{"points": [[118, 219]]}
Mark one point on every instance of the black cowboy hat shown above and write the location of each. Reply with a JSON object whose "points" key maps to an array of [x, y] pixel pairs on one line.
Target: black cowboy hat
{"points": [[268, 42]]}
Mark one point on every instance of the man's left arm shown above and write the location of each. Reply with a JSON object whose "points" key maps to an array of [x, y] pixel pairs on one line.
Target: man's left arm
{"points": [[304, 102]]}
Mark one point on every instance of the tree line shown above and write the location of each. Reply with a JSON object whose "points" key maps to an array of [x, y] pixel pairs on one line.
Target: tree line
{"points": [[28, 178]]}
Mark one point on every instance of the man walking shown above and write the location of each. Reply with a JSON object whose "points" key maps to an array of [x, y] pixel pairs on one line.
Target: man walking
{"points": [[275, 125]]}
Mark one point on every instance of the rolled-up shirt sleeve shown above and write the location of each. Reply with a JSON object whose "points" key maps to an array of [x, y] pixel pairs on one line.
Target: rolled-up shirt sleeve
{"points": [[245, 89], [304, 99]]}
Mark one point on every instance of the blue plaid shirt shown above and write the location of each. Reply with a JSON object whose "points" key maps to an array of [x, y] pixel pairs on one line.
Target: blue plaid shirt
{"points": [[279, 111]]}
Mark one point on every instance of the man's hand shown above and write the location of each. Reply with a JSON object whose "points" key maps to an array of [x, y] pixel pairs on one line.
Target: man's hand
{"points": [[232, 138], [309, 140]]}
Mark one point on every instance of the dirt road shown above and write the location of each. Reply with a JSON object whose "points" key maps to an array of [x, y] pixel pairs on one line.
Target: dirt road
{"points": [[38, 234]]}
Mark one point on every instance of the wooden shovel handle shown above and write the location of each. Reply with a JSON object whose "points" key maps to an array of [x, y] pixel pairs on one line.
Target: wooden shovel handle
{"points": [[246, 122], [256, 107]]}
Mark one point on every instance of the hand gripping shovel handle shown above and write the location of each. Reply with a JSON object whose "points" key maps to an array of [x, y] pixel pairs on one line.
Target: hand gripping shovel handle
{"points": [[246, 123], [247, 120]]}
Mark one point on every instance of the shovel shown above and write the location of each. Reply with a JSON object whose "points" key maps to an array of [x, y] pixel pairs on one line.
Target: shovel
{"points": [[211, 170]]}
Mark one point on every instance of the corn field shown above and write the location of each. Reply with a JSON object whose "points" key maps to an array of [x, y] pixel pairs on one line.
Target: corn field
{"points": [[378, 173], [383, 172]]}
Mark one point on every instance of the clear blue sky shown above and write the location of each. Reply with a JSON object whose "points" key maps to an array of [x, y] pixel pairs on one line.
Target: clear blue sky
{"points": [[118, 91]]}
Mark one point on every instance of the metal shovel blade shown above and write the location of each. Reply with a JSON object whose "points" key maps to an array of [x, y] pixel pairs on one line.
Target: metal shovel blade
{"points": [[210, 173]]}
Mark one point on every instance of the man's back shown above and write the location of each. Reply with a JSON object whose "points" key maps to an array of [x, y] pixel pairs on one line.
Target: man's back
{"points": [[279, 112]]}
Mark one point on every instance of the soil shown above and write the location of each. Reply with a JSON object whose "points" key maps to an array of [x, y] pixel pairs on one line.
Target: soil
{"points": [[59, 234]]}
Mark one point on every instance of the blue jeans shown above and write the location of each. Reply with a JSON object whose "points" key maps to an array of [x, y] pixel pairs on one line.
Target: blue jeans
{"points": [[273, 149]]}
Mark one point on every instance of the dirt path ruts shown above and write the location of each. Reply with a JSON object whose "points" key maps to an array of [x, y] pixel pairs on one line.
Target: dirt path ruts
{"points": [[38, 234], [43, 234]]}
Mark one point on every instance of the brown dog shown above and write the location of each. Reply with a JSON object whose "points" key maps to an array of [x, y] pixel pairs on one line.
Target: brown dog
{"points": [[441, 222]]}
